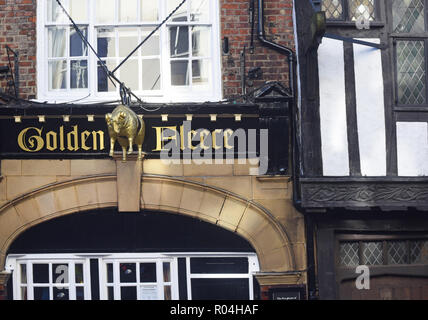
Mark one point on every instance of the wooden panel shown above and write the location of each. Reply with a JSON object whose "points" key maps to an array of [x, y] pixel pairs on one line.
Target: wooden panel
{"points": [[387, 288]]}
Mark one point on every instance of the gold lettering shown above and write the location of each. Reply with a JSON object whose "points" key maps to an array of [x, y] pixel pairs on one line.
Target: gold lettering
{"points": [[51, 141], [73, 135], [61, 138], [215, 146], [96, 134], [160, 139], [84, 136], [227, 134], [36, 142]]}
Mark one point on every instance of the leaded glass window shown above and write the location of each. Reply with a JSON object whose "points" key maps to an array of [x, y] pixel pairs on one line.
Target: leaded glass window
{"points": [[408, 16], [411, 73], [349, 254], [349, 10], [397, 252], [382, 252], [372, 253], [333, 9], [362, 8]]}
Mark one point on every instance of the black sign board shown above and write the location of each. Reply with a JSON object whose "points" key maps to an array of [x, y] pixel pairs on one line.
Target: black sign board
{"points": [[79, 137]]}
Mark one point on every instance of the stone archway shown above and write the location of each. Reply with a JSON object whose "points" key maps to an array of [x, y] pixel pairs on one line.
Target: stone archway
{"points": [[160, 193]]}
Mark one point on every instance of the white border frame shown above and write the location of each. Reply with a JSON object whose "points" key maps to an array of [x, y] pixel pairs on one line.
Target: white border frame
{"points": [[13, 260]]}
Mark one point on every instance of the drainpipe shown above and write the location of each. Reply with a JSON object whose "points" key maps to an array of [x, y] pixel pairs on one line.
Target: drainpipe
{"points": [[282, 49]]}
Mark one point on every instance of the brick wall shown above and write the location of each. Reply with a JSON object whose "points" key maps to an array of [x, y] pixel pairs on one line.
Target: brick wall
{"points": [[236, 26], [18, 30]]}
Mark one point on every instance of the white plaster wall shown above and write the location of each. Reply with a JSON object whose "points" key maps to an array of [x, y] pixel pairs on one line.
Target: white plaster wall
{"points": [[334, 136], [370, 109], [412, 148]]}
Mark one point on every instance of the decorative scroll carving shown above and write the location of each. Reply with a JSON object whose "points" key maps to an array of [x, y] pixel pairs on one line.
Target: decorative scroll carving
{"points": [[358, 194]]}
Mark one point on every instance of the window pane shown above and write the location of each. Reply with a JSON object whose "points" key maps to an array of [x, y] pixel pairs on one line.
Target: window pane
{"points": [[128, 10], [147, 272], [60, 273], [167, 292], [179, 73], [152, 75], [408, 16], [78, 272], [40, 273], [60, 293], [23, 268], [24, 293], [220, 289], [41, 293], [79, 74], [57, 74], [78, 48], [219, 265], [349, 254], [110, 293], [201, 41], [362, 8], [397, 252], [166, 272], [151, 46], [180, 14], [411, 72], [333, 9], [128, 293], [201, 72], [372, 253], [128, 272], [129, 74], [80, 293], [105, 11], [57, 42], [199, 10], [104, 84], [79, 10], [149, 10], [179, 41], [55, 13], [419, 252], [106, 42], [128, 41]]}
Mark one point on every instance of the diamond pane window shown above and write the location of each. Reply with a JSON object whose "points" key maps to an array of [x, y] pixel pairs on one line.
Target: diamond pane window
{"points": [[362, 8], [349, 254], [411, 72], [408, 16], [397, 252], [333, 9], [418, 252], [372, 253]]}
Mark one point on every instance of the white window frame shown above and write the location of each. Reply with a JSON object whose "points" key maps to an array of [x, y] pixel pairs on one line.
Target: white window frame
{"points": [[13, 261], [213, 92]]}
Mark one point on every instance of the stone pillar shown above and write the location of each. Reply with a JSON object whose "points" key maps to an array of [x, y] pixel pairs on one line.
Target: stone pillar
{"points": [[129, 184]]}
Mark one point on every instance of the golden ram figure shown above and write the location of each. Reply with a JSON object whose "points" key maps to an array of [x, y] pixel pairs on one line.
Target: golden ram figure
{"points": [[126, 127]]}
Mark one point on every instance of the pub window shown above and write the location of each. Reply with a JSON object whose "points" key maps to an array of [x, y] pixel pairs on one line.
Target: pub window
{"points": [[383, 252], [350, 10], [410, 36], [177, 62]]}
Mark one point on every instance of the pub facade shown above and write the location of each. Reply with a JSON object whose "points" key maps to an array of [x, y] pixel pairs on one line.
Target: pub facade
{"points": [[145, 151]]}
